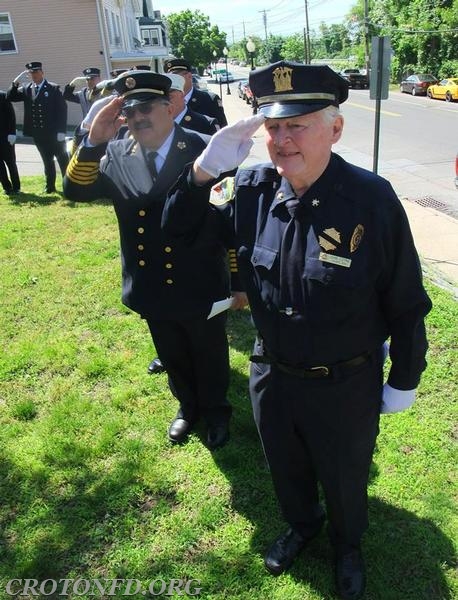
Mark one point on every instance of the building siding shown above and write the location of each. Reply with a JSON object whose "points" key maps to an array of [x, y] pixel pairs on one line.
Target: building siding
{"points": [[62, 34]]}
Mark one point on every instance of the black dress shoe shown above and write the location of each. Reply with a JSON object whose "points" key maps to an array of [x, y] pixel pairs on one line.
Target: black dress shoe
{"points": [[217, 436], [155, 367], [178, 430], [283, 551], [350, 575]]}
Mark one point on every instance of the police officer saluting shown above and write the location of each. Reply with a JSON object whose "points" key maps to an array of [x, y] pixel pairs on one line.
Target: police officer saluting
{"points": [[45, 119], [331, 272]]}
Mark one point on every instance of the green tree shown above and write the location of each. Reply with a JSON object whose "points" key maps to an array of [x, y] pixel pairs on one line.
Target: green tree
{"points": [[193, 37], [293, 48]]}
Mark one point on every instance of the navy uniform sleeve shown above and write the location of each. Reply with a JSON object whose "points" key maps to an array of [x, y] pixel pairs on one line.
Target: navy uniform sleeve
{"points": [[69, 94], [185, 212], [14, 94], [404, 301]]}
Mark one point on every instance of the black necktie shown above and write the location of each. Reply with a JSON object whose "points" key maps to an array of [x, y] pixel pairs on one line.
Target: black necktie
{"points": [[151, 159], [36, 89], [292, 251]]}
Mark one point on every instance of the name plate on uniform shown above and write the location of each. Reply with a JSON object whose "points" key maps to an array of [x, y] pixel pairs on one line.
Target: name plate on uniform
{"points": [[335, 260]]}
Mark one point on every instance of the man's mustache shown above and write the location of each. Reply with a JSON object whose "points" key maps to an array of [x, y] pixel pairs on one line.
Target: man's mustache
{"points": [[141, 125]]}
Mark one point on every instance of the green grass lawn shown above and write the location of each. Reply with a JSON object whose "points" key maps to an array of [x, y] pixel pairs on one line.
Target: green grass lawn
{"points": [[89, 486]]}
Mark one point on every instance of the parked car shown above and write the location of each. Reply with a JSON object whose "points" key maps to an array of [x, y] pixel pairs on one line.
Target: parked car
{"points": [[355, 78], [417, 84], [199, 82], [447, 90], [224, 76], [241, 88]]}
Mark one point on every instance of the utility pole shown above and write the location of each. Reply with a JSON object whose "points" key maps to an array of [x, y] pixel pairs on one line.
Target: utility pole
{"points": [[264, 18], [307, 52]]}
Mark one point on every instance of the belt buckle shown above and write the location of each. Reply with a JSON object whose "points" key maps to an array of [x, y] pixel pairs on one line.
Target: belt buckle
{"points": [[322, 368]]}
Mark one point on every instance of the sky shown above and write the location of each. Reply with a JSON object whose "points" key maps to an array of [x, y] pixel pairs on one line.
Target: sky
{"points": [[242, 18]]}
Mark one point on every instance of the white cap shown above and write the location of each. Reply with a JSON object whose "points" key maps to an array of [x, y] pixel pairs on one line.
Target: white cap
{"points": [[177, 81]]}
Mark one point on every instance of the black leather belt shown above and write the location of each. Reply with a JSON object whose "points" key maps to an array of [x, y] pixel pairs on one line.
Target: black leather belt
{"points": [[311, 372]]}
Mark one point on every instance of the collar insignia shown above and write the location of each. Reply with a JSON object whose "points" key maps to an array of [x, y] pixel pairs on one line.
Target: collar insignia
{"points": [[187, 118], [315, 202], [181, 145], [282, 79]]}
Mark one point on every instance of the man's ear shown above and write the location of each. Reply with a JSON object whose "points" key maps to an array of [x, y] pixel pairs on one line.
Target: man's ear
{"points": [[337, 129]]}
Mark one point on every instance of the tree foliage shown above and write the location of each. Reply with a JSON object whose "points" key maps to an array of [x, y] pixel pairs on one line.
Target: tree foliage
{"points": [[423, 35], [193, 37]]}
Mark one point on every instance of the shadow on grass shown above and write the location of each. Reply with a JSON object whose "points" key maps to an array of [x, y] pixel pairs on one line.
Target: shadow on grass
{"points": [[29, 199]]}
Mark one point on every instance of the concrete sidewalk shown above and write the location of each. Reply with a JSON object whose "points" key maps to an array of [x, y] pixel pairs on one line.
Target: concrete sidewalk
{"points": [[435, 233]]}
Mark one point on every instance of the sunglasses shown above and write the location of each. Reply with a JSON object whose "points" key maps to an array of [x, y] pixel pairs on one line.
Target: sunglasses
{"points": [[143, 109]]}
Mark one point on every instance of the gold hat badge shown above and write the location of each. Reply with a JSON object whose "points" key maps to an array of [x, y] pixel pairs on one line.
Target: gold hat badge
{"points": [[282, 79], [130, 83]]}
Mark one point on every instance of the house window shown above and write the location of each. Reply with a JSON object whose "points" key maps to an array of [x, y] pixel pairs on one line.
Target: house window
{"points": [[7, 41], [151, 37], [107, 21]]}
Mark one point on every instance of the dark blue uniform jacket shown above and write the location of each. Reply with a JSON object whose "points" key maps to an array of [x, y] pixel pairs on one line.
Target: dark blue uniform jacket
{"points": [[361, 278]]}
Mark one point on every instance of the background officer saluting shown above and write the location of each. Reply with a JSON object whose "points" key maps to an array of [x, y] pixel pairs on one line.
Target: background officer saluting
{"points": [[173, 284], [86, 96], [45, 119], [199, 101], [331, 272]]}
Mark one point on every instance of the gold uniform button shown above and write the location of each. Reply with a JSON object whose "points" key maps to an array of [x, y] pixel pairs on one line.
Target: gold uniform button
{"points": [[169, 281], [168, 249], [141, 247], [141, 263], [168, 265], [141, 230], [142, 213]]}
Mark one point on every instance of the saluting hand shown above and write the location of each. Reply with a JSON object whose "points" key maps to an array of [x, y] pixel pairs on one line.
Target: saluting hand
{"points": [[107, 122], [227, 149]]}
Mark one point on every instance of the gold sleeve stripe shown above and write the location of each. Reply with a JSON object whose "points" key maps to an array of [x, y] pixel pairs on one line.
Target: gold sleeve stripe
{"points": [[82, 173], [232, 261]]}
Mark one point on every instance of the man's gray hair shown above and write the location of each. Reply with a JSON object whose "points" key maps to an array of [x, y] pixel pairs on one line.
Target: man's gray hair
{"points": [[330, 113]]}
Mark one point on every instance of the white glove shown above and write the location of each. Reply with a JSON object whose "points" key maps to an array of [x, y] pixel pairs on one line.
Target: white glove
{"points": [[77, 80], [61, 137], [229, 146], [20, 76], [396, 400], [12, 139]]}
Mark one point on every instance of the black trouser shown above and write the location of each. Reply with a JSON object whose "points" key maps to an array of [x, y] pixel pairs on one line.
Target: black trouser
{"points": [[196, 356], [8, 158], [320, 430], [49, 147]]}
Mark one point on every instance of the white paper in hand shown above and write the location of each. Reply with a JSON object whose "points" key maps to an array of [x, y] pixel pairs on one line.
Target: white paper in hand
{"points": [[219, 306]]}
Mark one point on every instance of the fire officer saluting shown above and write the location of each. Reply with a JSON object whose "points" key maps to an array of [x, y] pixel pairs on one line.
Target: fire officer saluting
{"points": [[86, 96], [45, 119], [172, 284], [328, 262]]}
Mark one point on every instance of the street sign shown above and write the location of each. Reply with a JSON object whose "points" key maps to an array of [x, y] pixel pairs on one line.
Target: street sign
{"points": [[380, 67]]}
